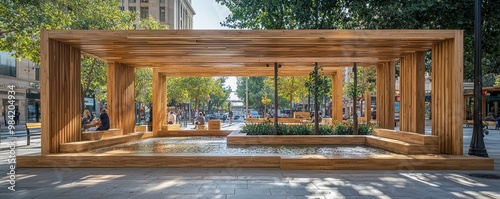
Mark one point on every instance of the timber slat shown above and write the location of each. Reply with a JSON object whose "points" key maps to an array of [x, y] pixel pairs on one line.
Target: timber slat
{"points": [[369, 162], [80, 146]]}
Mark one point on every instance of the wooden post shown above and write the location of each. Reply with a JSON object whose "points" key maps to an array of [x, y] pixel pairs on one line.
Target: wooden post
{"points": [[60, 81], [412, 86], [385, 94], [368, 107], [120, 93], [337, 95], [159, 101], [447, 92]]}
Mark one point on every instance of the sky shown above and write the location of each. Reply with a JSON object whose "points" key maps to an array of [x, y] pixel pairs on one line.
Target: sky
{"points": [[208, 16]]}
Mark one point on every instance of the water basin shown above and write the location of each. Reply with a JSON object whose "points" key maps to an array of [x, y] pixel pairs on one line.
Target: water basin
{"points": [[218, 145]]}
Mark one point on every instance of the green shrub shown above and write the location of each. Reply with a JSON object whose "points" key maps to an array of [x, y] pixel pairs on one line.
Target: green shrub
{"points": [[258, 129], [364, 129], [326, 130], [307, 129], [295, 129], [343, 129]]}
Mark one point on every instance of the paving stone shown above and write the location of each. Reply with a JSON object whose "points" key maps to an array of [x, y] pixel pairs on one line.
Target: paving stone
{"points": [[216, 191], [252, 191]]}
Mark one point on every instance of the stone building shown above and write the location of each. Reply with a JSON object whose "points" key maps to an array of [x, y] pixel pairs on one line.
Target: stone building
{"points": [[177, 14], [24, 76]]}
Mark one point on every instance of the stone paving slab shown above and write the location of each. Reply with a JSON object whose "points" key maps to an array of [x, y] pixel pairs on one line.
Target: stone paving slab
{"points": [[241, 183]]}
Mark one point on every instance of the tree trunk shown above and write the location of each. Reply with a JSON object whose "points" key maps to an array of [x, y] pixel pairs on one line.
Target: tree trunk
{"points": [[355, 115], [316, 104]]}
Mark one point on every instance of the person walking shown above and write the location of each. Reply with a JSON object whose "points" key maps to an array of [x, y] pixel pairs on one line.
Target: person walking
{"points": [[230, 116]]}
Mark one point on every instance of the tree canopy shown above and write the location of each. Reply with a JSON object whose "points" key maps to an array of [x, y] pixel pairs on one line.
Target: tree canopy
{"points": [[291, 88], [375, 14], [195, 89], [21, 21]]}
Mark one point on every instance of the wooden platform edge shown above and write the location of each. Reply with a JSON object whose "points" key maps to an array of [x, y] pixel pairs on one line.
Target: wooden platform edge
{"points": [[321, 162], [148, 160]]}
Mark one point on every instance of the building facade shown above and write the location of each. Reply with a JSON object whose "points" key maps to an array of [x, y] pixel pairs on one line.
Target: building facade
{"points": [[177, 14], [24, 76]]}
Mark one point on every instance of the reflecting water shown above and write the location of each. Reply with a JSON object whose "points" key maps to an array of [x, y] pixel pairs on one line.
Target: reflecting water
{"points": [[218, 145]]}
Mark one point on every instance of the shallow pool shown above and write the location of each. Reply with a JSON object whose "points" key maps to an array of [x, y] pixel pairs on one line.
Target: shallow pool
{"points": [[218, 145]]}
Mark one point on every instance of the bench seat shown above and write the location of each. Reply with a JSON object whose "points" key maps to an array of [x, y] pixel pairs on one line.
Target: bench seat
{"points": [[74, 147], [171, 127], [97, 135], [30, 126]]}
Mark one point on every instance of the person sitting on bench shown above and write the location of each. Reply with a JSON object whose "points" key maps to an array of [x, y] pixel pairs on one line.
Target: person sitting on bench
{"points": [[171, 118], [200, 120], [102, 123]]}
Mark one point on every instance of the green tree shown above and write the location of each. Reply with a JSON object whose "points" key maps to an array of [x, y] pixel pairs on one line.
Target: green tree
{"points": [[286, 14], [290, 88], [443, 14], [497, 82], [265, 101], [376, 14], [318, 86], [150, 23], [489, 79], [176, 92], [366, 82], [193, 89], [220, 96], [143, 85], [256, 90], [21, 21]]}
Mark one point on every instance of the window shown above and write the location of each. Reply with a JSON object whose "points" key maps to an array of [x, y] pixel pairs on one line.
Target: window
{"points": [[7, 64], [144, 12], [144, 1], [162, 1], [131, 9], [122, 8], [162, 14], [131, 1]]}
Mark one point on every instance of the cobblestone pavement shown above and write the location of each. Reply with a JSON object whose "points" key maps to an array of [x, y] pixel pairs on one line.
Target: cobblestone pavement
{"points": [[242, 183]]}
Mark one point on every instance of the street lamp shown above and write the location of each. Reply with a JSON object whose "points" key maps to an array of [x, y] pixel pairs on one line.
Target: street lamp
{"points": [[477, 146]]}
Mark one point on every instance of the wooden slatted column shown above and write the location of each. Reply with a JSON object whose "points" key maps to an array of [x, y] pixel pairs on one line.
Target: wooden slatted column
{"points": [[368, 107], [447, 92], [60, 94], [159, 101], [385, 94], [337, 95], [412, 87], [120, 93]]}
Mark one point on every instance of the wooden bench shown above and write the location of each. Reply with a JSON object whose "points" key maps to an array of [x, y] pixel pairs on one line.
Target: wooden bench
{"points": [[141, 128], [255, 120], [214, 124], [289, 120], [490, 123], [469, 123], [403, 142], [171, 127], [85, 145], [97, 135], [302, 115], [201, 127], [30, 126]]}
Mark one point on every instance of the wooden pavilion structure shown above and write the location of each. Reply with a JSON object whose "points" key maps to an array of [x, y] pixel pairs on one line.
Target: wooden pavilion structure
{"points": [[246, 53]]}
